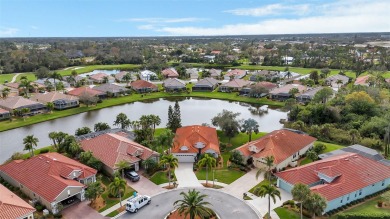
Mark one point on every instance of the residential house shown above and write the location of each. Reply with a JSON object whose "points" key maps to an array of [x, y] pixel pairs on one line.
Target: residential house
{"points": [[257, 75], [193, 73], [119, 76], [170, 73], [13, 92], [234, 85], [101, 78], [206, 84], [215, 73], [13, 207], [256, 91], [112, 148], [80, 91], [192, 141], [148, 75], [111, 90], [215, 52], [18, 103], [340, 179], [337, 81], [49, 178], [46, 81], [362, 80], [61, 101], [283, 93], [308, 95], [78, 79], [209, 58], [174, 84], [142, 86], [285, 146], [4, 114], [235, 74]]}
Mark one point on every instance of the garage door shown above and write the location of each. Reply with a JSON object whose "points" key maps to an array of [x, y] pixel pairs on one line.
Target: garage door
{"points": [[185, 158]]}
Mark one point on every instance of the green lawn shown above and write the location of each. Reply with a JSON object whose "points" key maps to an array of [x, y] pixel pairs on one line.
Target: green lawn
{"points": [[19, 122], [224, 175], [260, 183], [329, 147], [239, 139], [159, 178], [367, 208], [284, 213], [113, 201], [38, 151]]}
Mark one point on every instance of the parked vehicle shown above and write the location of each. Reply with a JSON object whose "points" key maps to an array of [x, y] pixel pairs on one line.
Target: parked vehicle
{"points": [[133, 176], [135, 203]]}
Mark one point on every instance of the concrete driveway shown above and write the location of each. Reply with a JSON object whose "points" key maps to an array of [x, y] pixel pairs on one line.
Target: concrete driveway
{"points": [[185, 176], [243, 184], [261, 204], [81, 210], [145, 187], [225, 205]]}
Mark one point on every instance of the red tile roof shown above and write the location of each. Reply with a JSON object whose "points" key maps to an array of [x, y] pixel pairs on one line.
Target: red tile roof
{"points": [[81, 90], [362, 80], [139, 84], [190, 135], [286, 89], [3, 111], [52, 96], [235, 72], [11, 206], [170, 72], [100, 76], [352, 172], [44, 174], [113, 148], [281, 144], [236, 83]]}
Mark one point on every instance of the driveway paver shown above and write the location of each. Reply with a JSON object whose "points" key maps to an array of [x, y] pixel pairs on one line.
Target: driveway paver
{"points": [[81, 210], [185, 176], [243, 184], [145, 187]]}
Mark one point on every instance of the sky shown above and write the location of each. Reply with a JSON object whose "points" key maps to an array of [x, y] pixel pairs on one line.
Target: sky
{"points": [[127, 18]]}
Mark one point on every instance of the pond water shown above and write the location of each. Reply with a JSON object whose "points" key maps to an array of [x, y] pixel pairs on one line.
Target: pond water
{"points": [[108, 72], [194, 111]]}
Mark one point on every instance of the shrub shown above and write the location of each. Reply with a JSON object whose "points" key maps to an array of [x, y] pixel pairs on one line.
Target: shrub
{"points": [[39, 207], [44, 150], [363, 216]]}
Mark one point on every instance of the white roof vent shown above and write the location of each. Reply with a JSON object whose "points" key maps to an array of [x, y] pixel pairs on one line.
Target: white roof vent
{"points": [[199, 145]]}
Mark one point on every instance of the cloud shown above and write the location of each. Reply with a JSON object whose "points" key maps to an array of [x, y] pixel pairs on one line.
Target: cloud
{"points": [[8, 31], [162, 20], [273, 9], [34, 27], [338, 17], [146, 27]]}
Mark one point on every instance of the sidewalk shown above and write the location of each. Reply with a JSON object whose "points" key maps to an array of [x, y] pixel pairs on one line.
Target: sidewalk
{"points": [[243, 184], [200, 181]]}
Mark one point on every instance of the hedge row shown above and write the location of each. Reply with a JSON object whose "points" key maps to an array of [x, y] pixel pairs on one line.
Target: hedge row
{"points": [[363, 216]]}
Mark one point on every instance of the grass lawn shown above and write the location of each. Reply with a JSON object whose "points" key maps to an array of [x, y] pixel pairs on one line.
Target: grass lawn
{"points": [[38, 151], [329, 147], [19, 122], [159, 178], [113, 201], [284, 213], [224, 175], [239, 139], [367, 208], [260, 183]]}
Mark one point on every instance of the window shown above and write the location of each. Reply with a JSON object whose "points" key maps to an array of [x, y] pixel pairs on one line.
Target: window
{"points": [[383, 183], [373, 185], [348, 198], [341, 200], [360, 192]]}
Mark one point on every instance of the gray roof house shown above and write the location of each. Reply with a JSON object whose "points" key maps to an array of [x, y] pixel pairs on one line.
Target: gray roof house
{"points": [[192, 72], [215, 73], [113, 89], [332, 80], [43, 82], [4, 114], [206, 84], [18, 103], [308, 95], [174, 84], [234, 85]]}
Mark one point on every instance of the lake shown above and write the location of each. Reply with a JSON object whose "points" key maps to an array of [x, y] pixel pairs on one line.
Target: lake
{"points": [[194, 111]]}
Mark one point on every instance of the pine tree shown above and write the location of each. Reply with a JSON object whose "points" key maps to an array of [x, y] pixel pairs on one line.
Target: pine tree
{"points": [[170, 118], [176, 116]]}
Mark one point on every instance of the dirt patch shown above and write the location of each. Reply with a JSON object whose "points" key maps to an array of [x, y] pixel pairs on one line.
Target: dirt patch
{"points": [[99, 202], [170, 187], [210, 185], [176, 215]]}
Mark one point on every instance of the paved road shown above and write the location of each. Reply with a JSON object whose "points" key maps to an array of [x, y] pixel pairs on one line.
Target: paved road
{"points": [[185, 176], [225, 205]]}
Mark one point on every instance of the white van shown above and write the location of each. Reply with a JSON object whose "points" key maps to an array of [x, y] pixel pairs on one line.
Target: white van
{"points": [[135, 203]]}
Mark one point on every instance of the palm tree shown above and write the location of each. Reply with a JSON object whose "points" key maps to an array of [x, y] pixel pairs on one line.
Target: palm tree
{"points": [[94, 190], [100, 126], [300, 192], [155, 121], [172, 162], [312, 155], [117, 187], [338, 82], [5, 92], [387, 141], [269, 163], [26, 85], [315, 203], [122, 121], [55, 75], [271, 191], [126, 78], [193, 204], [209, 162], [122, 165], [29, 143], [50, 106], [24, 111]]}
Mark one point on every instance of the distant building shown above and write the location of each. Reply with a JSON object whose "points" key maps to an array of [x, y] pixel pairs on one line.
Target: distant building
{"points": [[170, 73], [101, 77], [362, 80], [234, 85], [18, 103], [148, 75], [111, 89], [235, 74], [337, 81], [215, 73], [60, 100], [308, 95], [80, 91], [205, 84], [142, 86], [174, 84], [4, 114], [283, 93]]}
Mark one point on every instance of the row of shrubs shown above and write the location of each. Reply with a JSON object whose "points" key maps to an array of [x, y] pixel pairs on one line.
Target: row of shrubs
{"points": [[363, 216], [344, 207]]}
